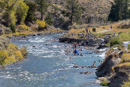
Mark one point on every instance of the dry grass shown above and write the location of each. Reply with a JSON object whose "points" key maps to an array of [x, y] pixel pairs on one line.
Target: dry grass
{"points": [[114, 30], [126, 57], [74, 33], [33, 32]]}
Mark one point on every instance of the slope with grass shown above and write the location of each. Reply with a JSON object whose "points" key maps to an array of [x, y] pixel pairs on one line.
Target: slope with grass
{"points": [[116, 66], [10, 53]]}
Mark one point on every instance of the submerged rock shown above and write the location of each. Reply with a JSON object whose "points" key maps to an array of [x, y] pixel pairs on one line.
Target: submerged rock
{"points": [[85, 72]]}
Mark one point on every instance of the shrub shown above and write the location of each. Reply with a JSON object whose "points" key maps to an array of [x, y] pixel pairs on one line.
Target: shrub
{"points": [[49, 19], [115, 41], [32, 9], [3, 56], [13, 28], [125, 36], [9, 17], [12, 54], [105, 82], [9, 60], [23, 27], [129, 46], [13, 47], [41, 24], [22, 10], [23, 51], [18, 55], [2, 6]]}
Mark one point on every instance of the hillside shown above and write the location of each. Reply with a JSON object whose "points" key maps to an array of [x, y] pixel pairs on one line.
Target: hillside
{"points": [[95, 11]]}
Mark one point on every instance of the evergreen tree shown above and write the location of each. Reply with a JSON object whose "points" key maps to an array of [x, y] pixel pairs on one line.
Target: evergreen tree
{"points": [[49, 19], [32, 9], [119, 10], [74, 10], [42, 6], [126, 10]]}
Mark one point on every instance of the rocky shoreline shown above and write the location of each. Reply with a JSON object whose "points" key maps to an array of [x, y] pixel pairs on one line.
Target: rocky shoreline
{"points": [[114, 71]]}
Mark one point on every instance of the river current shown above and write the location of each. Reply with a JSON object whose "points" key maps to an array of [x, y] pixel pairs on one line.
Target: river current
{"points": [[47, 65]]}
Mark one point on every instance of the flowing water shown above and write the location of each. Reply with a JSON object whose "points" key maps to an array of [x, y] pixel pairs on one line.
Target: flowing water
{"points": [[47, 65]]}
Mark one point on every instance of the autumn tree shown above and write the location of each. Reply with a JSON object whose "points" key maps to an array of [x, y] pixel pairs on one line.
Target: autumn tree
{"points": [[21, 11]]}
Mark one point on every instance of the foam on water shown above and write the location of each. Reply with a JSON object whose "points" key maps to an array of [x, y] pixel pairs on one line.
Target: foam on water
{"points": [[126, 44], [48, 66]]}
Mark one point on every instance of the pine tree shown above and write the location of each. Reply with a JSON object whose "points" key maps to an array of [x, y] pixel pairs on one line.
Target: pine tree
{"points": [[74, 10], [42, 6], [119, 10]]}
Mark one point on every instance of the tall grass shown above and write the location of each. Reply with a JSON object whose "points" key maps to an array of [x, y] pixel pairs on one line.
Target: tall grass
{"points": [[125, 36]]}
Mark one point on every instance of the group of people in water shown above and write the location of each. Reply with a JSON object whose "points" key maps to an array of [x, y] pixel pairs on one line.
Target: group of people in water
{"points": [[77, 51], [76, 46]]}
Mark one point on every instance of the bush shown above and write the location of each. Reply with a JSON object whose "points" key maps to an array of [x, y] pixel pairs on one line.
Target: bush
{"points": [[3, 56], [32, 9], [125, 36], [23, 51], [2, 6], [49, 19], [129, 46], [41, 24], [13, 28], [22, 10], [115, 41], [23, 27], [9, 17], [105, 82]]}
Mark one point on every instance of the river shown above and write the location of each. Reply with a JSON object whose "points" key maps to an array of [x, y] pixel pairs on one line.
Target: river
{"points": [[47, 65]]}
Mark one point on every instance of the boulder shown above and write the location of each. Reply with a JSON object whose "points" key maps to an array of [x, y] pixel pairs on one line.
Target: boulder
{"points": [[4, 43], [1, 31], [106, 67], [7, 30]]}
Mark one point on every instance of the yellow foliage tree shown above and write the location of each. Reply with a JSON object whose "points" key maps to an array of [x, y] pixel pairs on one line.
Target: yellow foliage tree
{"points": [[41, 24], [22, 10]]}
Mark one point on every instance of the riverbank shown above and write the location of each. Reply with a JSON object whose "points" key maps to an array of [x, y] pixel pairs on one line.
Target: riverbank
{"points": [[10, 53], [114, 71], [27, 33], [116, 62], [48, 59]]}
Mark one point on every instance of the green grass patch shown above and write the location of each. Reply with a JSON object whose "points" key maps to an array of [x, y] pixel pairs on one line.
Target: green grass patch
{"points": [[125, 36], [129, 46], [105, 82], [115, 41]]}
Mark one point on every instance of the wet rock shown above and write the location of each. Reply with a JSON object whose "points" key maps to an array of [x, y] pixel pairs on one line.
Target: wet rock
{"points": [[97, 81], [102, 47], [85, 72], [34, 35], [7, 30], [84, 66], [4, 43]]}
